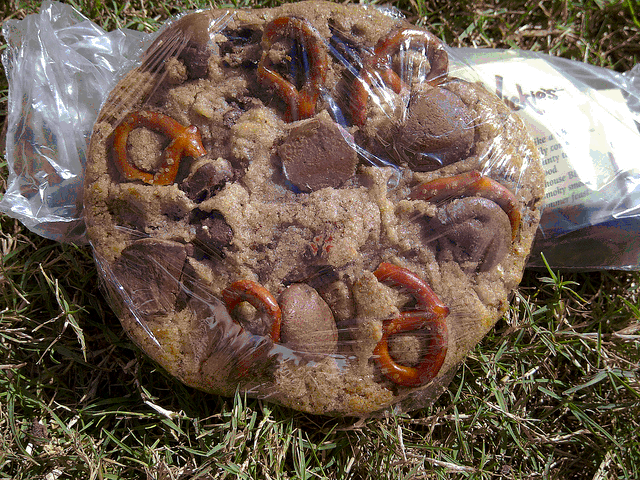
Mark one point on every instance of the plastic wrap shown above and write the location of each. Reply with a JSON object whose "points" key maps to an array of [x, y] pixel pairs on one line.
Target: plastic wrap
{"points": [[585, 122], [309, 204], [596, 228], [162, 284], [60, 68]]}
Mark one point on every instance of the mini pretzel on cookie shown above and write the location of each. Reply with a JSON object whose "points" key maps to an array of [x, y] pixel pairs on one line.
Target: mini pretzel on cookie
{"points": [[259, 297], [379, 69], [184, 141], [430, 315], [302, 103]]}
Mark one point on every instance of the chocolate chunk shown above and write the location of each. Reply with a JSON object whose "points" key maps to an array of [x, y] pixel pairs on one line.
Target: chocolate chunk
{"points": [[213, 233], [231, 116], [307, 321], [473, 231], [237, 39], [317, 155], [128, 214], [149, 270], [340, 299], [438, 130], [206, 179], [196, 59], [196, 27]]}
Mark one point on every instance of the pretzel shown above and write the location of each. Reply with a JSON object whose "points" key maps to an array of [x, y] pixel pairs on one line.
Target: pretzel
{"points": [[468, 184], [300, 104], [430, 315], [259, 297], [379, 67], [184, 141]]}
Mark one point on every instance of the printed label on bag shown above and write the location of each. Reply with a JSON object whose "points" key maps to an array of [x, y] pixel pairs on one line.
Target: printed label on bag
{"points": [[585, 137]]}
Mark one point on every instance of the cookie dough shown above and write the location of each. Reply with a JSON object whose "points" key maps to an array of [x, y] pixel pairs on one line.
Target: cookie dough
{"points": [[303, 203]]}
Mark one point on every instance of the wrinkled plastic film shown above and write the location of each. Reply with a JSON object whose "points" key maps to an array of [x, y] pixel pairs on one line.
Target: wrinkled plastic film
{"points": [[50, 121], [585, 122], [60, 67], [309, 204], [171, 260]]}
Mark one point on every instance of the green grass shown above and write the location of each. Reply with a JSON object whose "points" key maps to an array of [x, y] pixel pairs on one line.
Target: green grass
{"points": [[552, 392]]}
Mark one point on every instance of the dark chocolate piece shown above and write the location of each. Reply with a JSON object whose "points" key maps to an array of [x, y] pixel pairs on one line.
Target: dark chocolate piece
{"points": [[149, 270], [205, 181], [307, 321], [316, 275], [339, 298], [317, 155], [438, 130], [473, 231], [196, 59], [194, 30]]}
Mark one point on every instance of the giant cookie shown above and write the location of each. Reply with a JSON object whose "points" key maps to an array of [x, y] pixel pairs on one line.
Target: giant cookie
{"points": [[309, 203]]}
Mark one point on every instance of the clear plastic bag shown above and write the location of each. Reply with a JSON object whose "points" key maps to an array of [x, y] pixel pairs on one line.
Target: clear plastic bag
{"points": [[160, 275], [585, 121], [309, 204], [60, 68]]}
